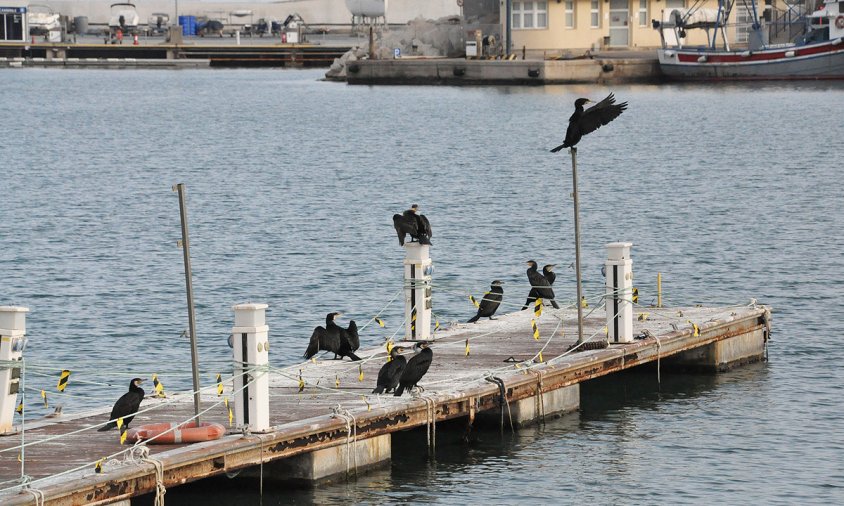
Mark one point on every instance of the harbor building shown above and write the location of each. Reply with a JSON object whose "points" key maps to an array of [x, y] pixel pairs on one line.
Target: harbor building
{"points": [[571, 27]]}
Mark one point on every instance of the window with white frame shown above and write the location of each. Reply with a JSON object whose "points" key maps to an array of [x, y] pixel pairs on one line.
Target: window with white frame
{"points": [[528, 15], [643, 12], [569, 13], [595, 11]]}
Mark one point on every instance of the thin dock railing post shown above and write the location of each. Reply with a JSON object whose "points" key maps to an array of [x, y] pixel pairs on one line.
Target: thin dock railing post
{"points": [[577, 246], [194, 354], [658, 289]]}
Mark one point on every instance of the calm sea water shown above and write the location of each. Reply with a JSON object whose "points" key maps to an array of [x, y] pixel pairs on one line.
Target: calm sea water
{"points": [[731, 192]]}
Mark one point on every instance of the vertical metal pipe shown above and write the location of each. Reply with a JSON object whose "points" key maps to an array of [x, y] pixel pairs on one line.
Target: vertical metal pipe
{"points": [[23, 418], [194, 355], [577, 246], [658, 289], [508, 30]]}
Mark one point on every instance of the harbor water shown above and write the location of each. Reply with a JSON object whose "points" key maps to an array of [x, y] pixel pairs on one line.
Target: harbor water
{"points": [[731, 192]]}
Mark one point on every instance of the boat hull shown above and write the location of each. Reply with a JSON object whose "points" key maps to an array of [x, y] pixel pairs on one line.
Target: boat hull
{"points": [[815, 61]]}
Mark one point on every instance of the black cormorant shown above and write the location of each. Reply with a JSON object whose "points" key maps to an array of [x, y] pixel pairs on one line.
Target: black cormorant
{"points": [[416, 367], [388, 376], [491, 301], [126, 406], [548, 272], [405, 224], [423, 226], [342, 342], [583, 122], [550, 275], [414, 224], [539, 287]]}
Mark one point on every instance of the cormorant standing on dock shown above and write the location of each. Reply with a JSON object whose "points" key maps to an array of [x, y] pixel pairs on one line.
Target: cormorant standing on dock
{"points": [[583, 122], [413, 224], [550, 275], [491, 301], [416, 367], [390, 373], [126, 406], [548, 272], [342, 342], [539, 286]]}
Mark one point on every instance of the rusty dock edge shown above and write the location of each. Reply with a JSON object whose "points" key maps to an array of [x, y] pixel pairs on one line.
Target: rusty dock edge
{"points": [[235, 452]]}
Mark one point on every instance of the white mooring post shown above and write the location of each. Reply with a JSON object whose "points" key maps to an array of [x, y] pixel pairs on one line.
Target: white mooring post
{"points": [[417, 292], [251, 347], [619, 296], [12, 342]]}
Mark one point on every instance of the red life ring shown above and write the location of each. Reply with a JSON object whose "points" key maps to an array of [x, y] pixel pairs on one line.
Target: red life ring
{"points": [[839, 22], [176, 433]]}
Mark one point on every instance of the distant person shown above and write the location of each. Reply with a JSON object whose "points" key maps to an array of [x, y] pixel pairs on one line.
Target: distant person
{"points": [[119, 36]]}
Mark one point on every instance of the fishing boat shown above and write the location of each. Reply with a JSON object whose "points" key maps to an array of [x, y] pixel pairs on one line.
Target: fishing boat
{"points": [[124, 17], [43, 22], [814, 52]]}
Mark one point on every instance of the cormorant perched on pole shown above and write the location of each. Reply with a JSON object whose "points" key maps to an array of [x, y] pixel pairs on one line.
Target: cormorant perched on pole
{"points": [[490, 302], [539, 286], [390, 373], [416, 367], [342, 342], [126, 406], [412, 223], [583, 122]]}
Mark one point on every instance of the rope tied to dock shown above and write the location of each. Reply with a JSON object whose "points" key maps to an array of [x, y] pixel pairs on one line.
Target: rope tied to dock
{"points": [[159, 478], [431, 422], [26, 485], [502, 401], [351, 435], [40, 498], [540, 397]]}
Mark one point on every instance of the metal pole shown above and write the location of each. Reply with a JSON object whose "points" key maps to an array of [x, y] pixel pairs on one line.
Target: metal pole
{"points": [[577, 246], [658, 289], [507, 24], [194, 355]]}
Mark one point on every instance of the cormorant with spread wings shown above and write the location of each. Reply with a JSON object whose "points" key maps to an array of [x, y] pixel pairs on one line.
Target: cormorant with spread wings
{"points": [[583, 122]]}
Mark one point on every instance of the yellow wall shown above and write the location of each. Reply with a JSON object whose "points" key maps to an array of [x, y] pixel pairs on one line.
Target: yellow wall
{"points": [[556, 39]]}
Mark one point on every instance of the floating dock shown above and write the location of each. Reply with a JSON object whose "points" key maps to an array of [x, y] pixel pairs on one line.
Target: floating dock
{"points": [[641, 67], [324, 422]]}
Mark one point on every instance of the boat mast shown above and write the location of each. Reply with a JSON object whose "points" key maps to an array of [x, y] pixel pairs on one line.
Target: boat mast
{"points": [[724, 9]]}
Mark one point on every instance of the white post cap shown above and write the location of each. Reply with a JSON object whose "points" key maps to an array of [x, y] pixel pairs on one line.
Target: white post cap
{"points": [[13, 318], [619, 250], [249, 315]]}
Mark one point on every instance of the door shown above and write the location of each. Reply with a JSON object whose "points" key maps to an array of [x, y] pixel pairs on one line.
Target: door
{"points": [[619, 22]]}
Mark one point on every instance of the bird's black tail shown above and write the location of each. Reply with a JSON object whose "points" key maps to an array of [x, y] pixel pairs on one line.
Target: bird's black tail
{"points": [[399, 390], [554, 303], [108, 426], [474, 318], [378, 390], [561, 146], [352, 356]]}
